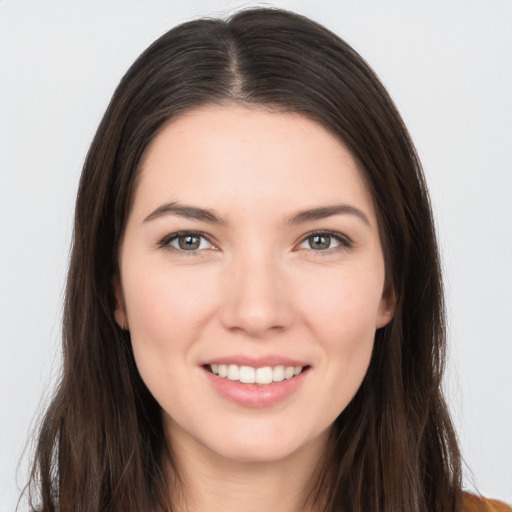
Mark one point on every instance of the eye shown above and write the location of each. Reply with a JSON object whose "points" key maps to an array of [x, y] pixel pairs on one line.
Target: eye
{"points": [[325, 241], [189, 241]]}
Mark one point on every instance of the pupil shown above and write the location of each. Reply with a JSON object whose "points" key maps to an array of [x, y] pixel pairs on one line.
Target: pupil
{"points": [[320, 241], [189, 243]]}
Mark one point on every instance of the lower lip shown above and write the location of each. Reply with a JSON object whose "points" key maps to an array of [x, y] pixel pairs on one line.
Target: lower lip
{"points": [[255, 395]]}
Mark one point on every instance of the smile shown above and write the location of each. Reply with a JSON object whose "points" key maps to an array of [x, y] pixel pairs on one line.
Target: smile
{"points": [[250, 375]]}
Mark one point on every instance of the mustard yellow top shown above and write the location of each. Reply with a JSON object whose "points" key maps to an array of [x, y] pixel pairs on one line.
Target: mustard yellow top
{"points": [[473, 503]]}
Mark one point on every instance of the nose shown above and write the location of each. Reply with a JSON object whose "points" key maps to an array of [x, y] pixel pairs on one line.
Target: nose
{"points": [[256, 300]]}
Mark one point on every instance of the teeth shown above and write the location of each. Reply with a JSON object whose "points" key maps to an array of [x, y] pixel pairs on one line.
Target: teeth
{"points": [[278, 374], [233, 372], [288, 372], [264, 375], [249, 375]]}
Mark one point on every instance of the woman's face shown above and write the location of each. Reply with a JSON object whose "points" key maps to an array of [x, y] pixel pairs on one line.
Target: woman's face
{"points": [[251, 254]]}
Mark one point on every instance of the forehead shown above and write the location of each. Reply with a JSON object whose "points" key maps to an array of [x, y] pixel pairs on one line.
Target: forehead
{"points": [[251, 157]]}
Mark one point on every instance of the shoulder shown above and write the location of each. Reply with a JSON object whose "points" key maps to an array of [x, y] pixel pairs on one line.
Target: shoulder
{"points": [[474, 503]]}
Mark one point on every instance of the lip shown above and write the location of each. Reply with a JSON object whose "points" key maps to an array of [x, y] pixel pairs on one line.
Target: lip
{"points": [[255, 395]]}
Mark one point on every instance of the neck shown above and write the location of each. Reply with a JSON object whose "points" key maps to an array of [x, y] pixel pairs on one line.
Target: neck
{"points": [[211, 483]]}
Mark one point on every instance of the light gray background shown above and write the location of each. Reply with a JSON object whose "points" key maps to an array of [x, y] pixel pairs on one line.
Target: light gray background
{"points": [[448, 66]]}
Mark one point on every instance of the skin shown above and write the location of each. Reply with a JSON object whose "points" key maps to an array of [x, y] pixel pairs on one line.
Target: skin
{"points": [[256, 286]]}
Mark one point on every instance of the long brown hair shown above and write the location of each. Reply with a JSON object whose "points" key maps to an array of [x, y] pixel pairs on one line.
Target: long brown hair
{"points": [[102, 445]]}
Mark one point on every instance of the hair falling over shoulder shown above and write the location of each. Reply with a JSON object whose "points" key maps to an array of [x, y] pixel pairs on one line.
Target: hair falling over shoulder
{"points": [[101, 445]]}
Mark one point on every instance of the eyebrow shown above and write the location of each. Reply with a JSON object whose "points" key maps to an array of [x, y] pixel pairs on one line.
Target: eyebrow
{"points": [[209, 216], [327, 211], [189, 212]]}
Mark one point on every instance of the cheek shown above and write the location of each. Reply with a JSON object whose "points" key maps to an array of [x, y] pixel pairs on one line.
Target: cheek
{"points": [[166, 312], [344, 306], [342, 319], [161, 302]]}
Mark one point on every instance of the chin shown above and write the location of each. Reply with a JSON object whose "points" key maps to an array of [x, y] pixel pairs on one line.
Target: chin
{"points": [[256, 452], [259, 445]]}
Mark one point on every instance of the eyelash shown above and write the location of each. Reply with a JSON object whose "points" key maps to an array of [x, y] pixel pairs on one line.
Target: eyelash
{"points": [[344, 243]]}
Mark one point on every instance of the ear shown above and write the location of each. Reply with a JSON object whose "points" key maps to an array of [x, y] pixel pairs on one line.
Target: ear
{"points": [[387, 306], [120, 309]]}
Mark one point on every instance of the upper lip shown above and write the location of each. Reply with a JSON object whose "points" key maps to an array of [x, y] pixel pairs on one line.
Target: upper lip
{"points": [[256, 361]]}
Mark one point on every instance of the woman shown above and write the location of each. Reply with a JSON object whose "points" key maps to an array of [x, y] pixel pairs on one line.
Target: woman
{"points": [[254, 314]]}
